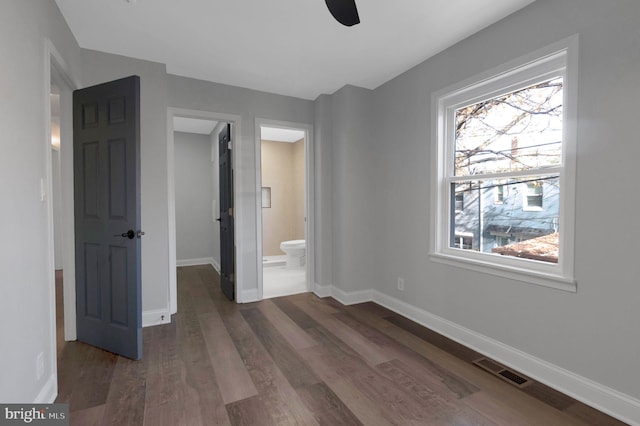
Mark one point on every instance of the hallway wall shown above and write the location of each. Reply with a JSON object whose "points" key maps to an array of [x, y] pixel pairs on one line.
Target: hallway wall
{"points": [[195, 224]]}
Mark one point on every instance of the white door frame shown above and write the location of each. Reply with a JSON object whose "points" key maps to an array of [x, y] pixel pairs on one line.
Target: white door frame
{"points": [[56, 71], [235, 120], [309, 177]]}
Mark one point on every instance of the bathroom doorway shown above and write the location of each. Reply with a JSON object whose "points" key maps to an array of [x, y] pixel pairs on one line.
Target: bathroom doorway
{"points": [[283, 208]]}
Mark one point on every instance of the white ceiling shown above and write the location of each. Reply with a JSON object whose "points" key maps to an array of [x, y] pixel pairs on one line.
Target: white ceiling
{"points": [[289, 47], [280, 135], [193, 125]]}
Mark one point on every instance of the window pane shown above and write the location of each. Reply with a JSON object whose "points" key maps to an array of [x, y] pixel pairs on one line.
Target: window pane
{"points": [[511, 227], [535, 193], [521, 130]]}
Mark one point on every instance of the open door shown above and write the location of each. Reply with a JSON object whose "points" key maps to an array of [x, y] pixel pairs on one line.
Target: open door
{"points": [[226, 214], [106, 150]]}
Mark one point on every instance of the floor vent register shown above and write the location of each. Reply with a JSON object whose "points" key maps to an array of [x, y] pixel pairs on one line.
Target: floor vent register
{"points": [[502, 372]]}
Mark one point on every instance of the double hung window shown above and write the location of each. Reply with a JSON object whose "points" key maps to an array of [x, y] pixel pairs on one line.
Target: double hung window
{"points": [[504, 165]]}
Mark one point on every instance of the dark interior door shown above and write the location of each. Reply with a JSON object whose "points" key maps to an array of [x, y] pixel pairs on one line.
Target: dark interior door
{"points": [[106, 150], [226, 214]]}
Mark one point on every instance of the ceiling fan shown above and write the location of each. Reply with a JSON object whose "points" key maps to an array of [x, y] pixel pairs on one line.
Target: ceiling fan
{"points": [[345, 11]]}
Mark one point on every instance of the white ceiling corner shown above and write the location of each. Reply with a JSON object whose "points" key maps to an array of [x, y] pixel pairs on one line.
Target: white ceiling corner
{"points": [[193, 125]]}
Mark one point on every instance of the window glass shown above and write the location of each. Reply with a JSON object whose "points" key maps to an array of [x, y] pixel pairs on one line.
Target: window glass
{"points": [[519, 217], [521, 130], [511, 134]]}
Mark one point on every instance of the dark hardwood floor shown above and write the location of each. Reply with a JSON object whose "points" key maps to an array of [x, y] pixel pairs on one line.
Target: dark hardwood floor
{"points": [[295, 360]]}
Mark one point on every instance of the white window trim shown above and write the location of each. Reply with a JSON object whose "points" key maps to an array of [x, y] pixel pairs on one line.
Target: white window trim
{"points": [[511, 76]]}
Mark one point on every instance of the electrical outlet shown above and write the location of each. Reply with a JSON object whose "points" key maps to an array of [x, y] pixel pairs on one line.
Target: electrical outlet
{"points": [[401, 284], [39, 366]]}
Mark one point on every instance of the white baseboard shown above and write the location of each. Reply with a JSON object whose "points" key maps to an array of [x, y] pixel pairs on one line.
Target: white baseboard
{"points": [[617, 404], [351, 298], [603, 398], [322, 290], [49, 391], [156, 317], [196, 262], [249, 296], [215, 264], [346, 298]]}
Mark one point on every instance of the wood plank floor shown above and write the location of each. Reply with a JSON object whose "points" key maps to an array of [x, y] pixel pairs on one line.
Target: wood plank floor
{"points": [[296, 360]]}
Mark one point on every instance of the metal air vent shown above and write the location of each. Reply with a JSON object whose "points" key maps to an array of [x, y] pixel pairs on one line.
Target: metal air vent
{"points": [[502, 372]]}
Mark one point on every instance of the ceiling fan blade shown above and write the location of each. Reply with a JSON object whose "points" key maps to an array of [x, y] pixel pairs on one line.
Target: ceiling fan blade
{"points": [[345, 11]]}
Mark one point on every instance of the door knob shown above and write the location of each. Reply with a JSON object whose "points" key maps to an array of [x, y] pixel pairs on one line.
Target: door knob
{"points": [[219, 219], [129, 234]]}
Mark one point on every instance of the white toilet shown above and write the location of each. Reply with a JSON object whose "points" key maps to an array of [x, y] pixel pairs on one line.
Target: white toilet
{"points": [[295, 251]]}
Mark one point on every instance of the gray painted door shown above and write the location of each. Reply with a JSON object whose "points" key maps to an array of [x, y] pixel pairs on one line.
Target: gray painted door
{"points": [[226, 214], [106, 150]]}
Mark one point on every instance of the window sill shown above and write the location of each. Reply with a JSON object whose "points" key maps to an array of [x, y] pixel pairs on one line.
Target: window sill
{"points": [[527, 276]]}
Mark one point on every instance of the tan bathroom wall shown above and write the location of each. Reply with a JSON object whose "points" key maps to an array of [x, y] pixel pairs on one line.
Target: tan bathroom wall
{"points": [[283, 220], [298, 190]]}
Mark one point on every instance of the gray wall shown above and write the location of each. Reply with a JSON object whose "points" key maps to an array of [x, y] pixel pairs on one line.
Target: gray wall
{"points": [[249, 104], [26, 272], [353, 193], [323, 141], [195, 223], [98, 67], [593, 332]]}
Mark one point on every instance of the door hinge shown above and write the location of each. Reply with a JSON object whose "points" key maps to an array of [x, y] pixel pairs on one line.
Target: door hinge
{"points": [[231, 211], [232, 278], [229, 145]]}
